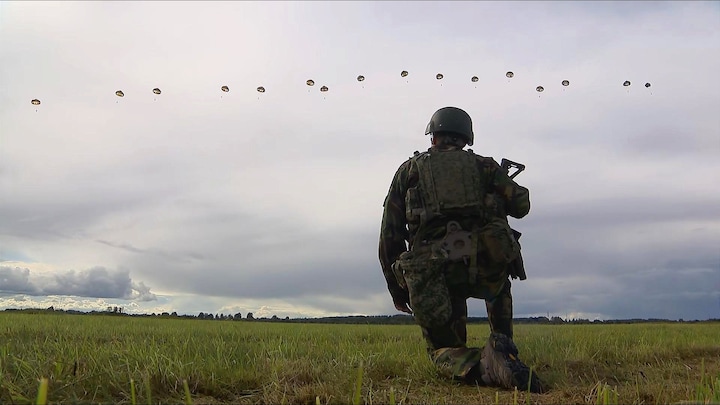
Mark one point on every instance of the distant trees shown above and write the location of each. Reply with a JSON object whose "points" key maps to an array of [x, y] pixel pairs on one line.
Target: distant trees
{"points": [[202, 315], [223, 317], [353, 319]]}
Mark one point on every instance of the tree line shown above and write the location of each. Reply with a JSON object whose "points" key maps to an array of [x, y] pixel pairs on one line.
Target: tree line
{"points": [[399, 319]]}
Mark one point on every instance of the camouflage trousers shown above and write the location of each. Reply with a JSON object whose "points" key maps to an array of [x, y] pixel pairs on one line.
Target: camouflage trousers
{"points": [[447, 343], [438, 291], [454, 332]]}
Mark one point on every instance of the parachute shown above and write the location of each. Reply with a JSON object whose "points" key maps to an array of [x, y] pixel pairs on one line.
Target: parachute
{"points": [[35, 102], [361, 78]]}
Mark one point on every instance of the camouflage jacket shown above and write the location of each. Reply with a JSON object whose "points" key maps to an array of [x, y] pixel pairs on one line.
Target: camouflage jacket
{"points": [[396, 235]]}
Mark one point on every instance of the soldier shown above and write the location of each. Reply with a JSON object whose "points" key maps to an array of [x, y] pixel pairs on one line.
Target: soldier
{"points": [[450, 206]]}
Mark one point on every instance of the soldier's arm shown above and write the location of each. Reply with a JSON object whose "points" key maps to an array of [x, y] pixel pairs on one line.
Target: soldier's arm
{"points": [[393, 231]]}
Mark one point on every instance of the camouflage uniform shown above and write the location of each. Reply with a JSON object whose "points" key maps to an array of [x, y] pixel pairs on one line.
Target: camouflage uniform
{"points": [[438, 297]]}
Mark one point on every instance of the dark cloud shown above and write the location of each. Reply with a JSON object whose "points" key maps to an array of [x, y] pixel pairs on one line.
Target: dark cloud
{"points": [[666, 293], [16, 280], [96, 282]]}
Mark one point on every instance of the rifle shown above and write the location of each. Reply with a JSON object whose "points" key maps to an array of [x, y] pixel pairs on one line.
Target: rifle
{"points": [[517, 267]]}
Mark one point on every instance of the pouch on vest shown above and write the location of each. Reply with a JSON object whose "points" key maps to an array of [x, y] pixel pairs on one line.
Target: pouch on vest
{"points": [[498, 242], [422, 272], [413, 206]]}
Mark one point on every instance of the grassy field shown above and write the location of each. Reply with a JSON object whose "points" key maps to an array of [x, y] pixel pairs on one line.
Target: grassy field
{"points": [[117, 359]]}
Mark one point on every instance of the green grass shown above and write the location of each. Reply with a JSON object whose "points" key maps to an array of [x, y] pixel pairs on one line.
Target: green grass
{"points": [[128, 360]]}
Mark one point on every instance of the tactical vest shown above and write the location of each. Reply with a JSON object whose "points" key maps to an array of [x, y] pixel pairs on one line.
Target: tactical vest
{"points": [[449, 186], [455, 226]]}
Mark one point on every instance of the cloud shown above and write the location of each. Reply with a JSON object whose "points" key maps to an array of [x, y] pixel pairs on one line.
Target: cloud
{"points": [[141, 292], [95, 282], [16, 280]]}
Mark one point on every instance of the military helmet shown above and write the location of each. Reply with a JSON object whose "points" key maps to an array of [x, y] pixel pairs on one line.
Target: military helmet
{"points": [[451, 119]]}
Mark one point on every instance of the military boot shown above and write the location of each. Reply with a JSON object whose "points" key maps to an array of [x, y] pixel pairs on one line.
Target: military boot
{"points": [[500, 366]]}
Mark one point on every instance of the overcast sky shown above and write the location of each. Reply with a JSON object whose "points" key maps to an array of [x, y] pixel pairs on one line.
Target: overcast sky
{"points": [[198, 200]]}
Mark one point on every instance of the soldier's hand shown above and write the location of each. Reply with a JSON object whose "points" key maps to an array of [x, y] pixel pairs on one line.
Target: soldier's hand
{"points": [[403, 307], [402, 302]]}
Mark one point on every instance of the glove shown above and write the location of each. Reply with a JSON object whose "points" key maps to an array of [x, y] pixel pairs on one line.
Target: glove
{"points": [[401, 299]]}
